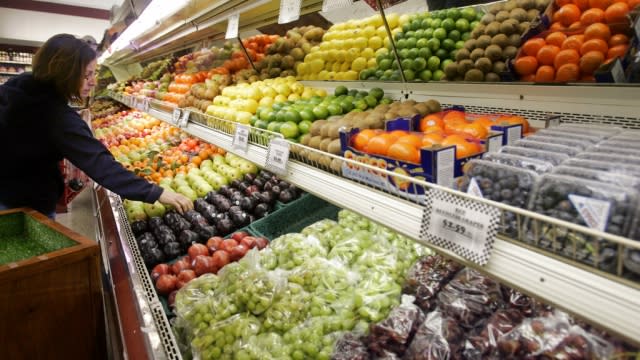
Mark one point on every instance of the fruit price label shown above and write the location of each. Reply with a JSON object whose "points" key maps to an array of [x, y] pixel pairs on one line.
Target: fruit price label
{"points": [[232, 26], [277, 156], [289, 11], [552, 120], [241, 138], [175, 117], [184, 119], [328, 5], [494, 143], [145, 105], [468, 228], [514, 134]]}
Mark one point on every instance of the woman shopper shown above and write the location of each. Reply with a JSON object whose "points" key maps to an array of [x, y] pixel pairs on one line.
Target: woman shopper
{"points": [[38, 129]]}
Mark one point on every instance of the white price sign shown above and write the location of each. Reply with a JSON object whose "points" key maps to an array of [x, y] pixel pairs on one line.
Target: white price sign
{"points": [[552, 120], [289, 11], [494, 143], [277, 156], [232, 26], [145, 105], [466, 227], [328, 5], [175, 117], [184, 119], [241, 138]]}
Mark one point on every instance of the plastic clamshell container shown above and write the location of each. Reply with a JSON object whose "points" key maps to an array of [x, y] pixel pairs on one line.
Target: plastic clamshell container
{"points": [[551, 132], [588, 203], [621, 144], [580, 131], [617, 159], [551, 157], [614, 150], [537, 145], [616, 168], [607, 177], [577, 144], [522, 162], [603, 129], [502, 183], [631, 135]]}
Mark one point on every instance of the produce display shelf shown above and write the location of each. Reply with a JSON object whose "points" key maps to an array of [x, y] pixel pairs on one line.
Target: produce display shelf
{"points": [[587, 293], [14, 62], [9, 73]]}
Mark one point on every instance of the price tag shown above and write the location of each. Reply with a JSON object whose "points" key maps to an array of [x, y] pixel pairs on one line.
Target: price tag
{"points": [[474, 188], [277, 156], [289, 11], [184, 119], [494, 143], [232, 26], [466, 227], [175, 118], [552, 120], [145, 104], [241, 138], [514, 134], [617, 72], [328, 5]]}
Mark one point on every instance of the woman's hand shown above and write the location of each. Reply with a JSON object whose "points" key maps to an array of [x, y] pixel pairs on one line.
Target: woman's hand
{"points": [[180, 202]]}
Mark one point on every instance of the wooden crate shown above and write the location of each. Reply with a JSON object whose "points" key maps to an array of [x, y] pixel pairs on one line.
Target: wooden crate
{"points": [[51, 304]]}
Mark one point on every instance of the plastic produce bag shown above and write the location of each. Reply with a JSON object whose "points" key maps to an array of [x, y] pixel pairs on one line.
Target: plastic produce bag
{"points": [[604, 129], [621, 144], [548, 156], [262, 346], [289, 309], [470, 298], [554, 148], [526, 305], [350, 347], [349, 248], [438, 337], [383, 257], [375, 295], [572, 143], [614, 150], [223, 339], [427, 277], [485, 343], [394, 333], [522, 162], [327, 231], [315, 338], [293, 249], [320, 272]]}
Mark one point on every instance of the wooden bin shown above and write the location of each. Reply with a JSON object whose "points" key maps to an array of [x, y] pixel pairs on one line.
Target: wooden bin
{"points": [[50, 304]]}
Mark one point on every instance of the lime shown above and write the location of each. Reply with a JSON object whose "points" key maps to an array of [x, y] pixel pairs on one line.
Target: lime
{"points": [[454, 35], [292, 116], [422, 43], [479, 15], [384, 64], [379, 73], [440, 34], [394, 64], [261, 124], [320, 112], [264, 114], [419, 64], [459, 44], [411, 42], [289, 129], [434, 44], [419, 34], [424, 53], [442, 54], [425, 75], [352, 92], [406, 28], [380, 58], [413, 53], [371, 101], [453, 13], [274, 126], [388, 73], [307, 115], [426, 23], [448, 24], [462, 25], [360, 104], [304, 126], [377, 93], [415, 24], [407, 64], [409, 75], [399, 35], [346, 106], [386, 100], [438, 75], [384, 78], [340, 90], [404, 53], [428, 34], [401, 44], [465, 36], [445, 63], [395, 76], [433, 63], [410, 34], [334, 109], [436, 23], [365, 74], [253, 120], [280, 116], [473, 24], [448, 44], [362, 94], [468, 13]]}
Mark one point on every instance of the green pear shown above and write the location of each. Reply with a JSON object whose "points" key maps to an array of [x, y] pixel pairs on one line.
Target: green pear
{"points": [[155, 209]]}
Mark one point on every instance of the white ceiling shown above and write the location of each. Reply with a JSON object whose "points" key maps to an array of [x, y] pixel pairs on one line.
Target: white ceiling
{"points": [[96, 4]]}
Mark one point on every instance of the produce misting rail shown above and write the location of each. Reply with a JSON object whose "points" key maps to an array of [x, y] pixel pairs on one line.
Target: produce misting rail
{"points": [[602, 299]]}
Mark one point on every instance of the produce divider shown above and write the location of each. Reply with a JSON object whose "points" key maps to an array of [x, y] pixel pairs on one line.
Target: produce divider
{"points": [[558, 281]]}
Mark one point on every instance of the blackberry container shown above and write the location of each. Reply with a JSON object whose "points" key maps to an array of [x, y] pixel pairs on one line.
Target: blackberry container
{"points": [[522, 162], [614, 150], [624, 181], [550, 157], [615, 168], [621, 144]]}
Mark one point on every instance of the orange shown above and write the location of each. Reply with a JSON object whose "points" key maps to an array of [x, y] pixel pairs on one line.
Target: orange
{"points": [[431, 120], [568, 56], [617, 51], [475, 130], [557, 26], [529, 78], [582, 4], [568, 72], [556, 38], [532, 46], [590, 61], [592, 16], [567, 14], [600, 4], [397, 134], [573, 42], [431, 139], [431, 129], [404, 152], [561, 3], [464, 148], [196, 160], [454, 125], [547, 54], [453, 114], [616, 13], [575, 26], [411, 139], [484, 121], [545, 73], [526, 65], [588, 78], [618, 39], [633, 4], [380, 144], [597, 31], [362, 138], [594, 45]]}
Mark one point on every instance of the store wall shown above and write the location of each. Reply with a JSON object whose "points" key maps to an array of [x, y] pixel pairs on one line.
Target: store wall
{"points": [[360, 10], [36, 27]]}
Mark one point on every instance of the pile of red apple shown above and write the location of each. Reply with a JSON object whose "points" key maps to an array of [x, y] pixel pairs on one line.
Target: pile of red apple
{"points": [[204, 259]]}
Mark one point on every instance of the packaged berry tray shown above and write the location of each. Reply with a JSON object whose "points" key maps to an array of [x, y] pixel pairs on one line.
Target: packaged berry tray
{"points": [[604, 129], [581, 131], [622, 144], [550, 157], [588, 203], [607, 177], [554, 148], [577, 144], [522, 162], [613, 158], [616, 168], [614, 150], [593, 139], [627, 135], [503, 183]]}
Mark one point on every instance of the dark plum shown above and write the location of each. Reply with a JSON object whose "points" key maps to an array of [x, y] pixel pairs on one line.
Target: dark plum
{"points": [[172, 250], [139, 227]]}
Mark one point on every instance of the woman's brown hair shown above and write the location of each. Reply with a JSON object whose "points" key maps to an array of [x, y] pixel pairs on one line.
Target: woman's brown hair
{"points": [[62, 61]]}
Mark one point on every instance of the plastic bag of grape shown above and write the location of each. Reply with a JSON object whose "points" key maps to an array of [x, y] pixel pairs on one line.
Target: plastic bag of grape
{"points": [[293, 249], [223, 339], [349, 248], [289, 308], [470, 298], [263, 346], [320, 272], [479, 346], [191, 307], [350, 347], [375, 295], [438, 337], [315, 338], [394, 333], [427, 277], [327, 231], [552, 337]]}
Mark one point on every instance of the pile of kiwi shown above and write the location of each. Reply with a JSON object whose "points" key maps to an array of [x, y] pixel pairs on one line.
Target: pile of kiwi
{"points": [[495, 40]]}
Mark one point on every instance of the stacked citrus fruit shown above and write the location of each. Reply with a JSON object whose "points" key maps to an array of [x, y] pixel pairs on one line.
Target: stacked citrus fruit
{"points": [[584, 35]]}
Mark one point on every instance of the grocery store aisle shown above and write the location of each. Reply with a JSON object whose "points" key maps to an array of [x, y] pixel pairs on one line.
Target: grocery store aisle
{"points": [[80, 217]]}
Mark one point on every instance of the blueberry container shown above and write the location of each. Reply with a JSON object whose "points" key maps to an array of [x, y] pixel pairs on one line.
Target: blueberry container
{"points": [[614, 150], [564, 134], [551, 157], [502, 183], [522, 162], [572, 143], [581, 131], [629, 135], [612, 158], [554, 148], [604, 129], [627, 144], [612, 167], [624, 181]]}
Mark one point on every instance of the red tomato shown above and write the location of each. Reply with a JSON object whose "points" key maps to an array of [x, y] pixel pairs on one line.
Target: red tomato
{"points": [[160, 269], [166, 283], [197, 249]]}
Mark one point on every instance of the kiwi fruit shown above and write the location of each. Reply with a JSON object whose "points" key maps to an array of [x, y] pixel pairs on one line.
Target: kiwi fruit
{"points": [[532, 14], [316, 127], [541, 5], [519, 14], [493, 52], [422, 108], [509, 26], [470, 44], [487, 19], [492, 77], [483, 41], [314, 156], [484, 64], [509, 52], [523, 27], [501, 40], [433, 105], [502, 16], [495, 8], [514, 40], [464, 66], [510, 5], [315, 141], [304, 139], [336, 165], [324, 144], [477, 31], [492, 29], [476, 54], [334, 147], [451, 70], [334, 130], [324, 132], [499, 66], [462, 54], [474, 75]]}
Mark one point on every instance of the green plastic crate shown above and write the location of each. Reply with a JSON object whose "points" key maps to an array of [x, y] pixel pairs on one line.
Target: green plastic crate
{"points": [[295, 217]]}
